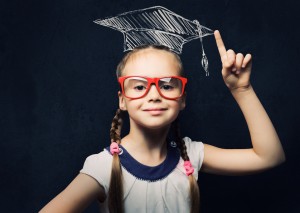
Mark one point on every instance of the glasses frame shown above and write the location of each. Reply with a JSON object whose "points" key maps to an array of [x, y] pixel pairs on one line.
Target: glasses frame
{"points": [[150, 82]]}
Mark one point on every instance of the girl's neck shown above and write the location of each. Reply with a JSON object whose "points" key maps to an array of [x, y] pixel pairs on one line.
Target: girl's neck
{"points": [[148, 146]]}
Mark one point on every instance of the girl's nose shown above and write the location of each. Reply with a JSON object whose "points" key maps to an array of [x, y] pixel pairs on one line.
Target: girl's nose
{"points": [[153, 94]]}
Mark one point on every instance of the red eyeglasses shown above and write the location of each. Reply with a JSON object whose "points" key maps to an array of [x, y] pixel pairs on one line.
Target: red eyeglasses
{"points": [[134, 87]]}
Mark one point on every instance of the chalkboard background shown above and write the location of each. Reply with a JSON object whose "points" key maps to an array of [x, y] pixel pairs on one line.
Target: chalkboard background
{"points": [[58, 94]]}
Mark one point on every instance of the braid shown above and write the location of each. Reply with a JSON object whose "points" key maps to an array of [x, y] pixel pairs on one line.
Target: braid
{"points": [[116, 126], [115, 192], [194, 189], [180, 141]]}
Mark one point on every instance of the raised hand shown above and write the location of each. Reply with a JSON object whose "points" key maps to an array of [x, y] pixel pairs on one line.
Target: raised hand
{"points": [[236, 68]]}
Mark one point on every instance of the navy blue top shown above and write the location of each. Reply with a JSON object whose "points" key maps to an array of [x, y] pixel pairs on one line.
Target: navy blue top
{"points": [[149, 173]]}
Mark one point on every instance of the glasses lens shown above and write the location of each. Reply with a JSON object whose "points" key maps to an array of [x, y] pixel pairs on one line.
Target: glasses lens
{"points": [[135, 87], [170, 87]]}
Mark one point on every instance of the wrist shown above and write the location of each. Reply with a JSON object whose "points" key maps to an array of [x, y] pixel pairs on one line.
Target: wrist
{"points": [[244, 96], [241, 91]]}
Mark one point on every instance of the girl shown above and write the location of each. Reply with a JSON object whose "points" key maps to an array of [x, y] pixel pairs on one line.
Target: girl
{"points": [[146, 172]]}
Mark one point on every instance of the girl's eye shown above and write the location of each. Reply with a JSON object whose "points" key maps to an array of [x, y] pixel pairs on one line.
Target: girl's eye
{"points": [[167, 87], [139, 88]]}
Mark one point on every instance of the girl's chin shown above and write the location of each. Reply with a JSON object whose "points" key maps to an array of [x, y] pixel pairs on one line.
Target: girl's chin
{"points": [[155, 125]]}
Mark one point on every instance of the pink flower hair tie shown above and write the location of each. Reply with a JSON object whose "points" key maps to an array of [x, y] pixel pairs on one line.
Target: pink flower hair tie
{"points": [[114, 148], [188, 167]]}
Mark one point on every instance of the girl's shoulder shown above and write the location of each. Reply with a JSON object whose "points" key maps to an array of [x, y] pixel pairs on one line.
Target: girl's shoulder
{"points": [[98, 166], [195, 151], [190, 144]]}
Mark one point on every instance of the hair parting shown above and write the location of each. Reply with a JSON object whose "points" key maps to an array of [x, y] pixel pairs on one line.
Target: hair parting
{"points": [[194, 189]]}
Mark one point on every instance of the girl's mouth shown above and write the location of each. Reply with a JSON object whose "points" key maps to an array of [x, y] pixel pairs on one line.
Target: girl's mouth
{"points": [[155, 111]]}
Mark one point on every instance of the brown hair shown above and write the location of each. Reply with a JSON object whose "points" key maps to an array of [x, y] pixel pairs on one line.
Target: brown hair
{"points": [[124, 60], [115, 193]]}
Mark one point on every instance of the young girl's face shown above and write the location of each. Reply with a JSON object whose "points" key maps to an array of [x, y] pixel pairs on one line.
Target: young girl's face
{"points": [[152, 111]]}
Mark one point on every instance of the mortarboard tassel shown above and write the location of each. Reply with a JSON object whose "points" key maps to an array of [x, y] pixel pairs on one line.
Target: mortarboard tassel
{"points": [[204, 60]]}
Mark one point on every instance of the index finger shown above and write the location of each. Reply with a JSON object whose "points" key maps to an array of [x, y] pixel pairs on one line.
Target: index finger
{"points": [[220, 44]]}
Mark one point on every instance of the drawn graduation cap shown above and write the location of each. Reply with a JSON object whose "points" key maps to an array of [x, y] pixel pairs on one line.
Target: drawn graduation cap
{"points": [[160, 26]]}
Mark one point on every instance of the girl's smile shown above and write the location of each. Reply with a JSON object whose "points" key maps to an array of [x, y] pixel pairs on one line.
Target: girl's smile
{"points": [[155, 111]]}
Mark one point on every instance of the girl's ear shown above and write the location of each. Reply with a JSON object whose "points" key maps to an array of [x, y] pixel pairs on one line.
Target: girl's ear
{"points": [[122, 104], [182, 101]]}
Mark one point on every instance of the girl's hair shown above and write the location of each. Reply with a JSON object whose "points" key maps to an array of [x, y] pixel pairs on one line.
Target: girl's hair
{"points": [[115, 193], [124, 60]]}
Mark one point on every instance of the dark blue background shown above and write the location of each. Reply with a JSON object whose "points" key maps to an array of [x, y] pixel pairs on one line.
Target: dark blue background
{"points": [[58, 94]]}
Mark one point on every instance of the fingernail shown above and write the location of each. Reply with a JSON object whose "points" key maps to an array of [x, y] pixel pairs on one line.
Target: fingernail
{"points": [[233, 69]]}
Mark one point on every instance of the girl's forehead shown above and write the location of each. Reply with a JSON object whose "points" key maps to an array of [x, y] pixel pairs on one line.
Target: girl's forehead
{"points": [[152, 63]]}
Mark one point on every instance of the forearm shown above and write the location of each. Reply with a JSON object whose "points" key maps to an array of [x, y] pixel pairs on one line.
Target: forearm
{"points": [[265, 141]]}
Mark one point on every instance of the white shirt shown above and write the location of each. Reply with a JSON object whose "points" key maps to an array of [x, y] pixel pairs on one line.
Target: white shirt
{"points": [[168, 192]]}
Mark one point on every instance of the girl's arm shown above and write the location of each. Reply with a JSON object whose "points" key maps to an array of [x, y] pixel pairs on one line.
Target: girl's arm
{"points": [[267, 151], [77, 196]]}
